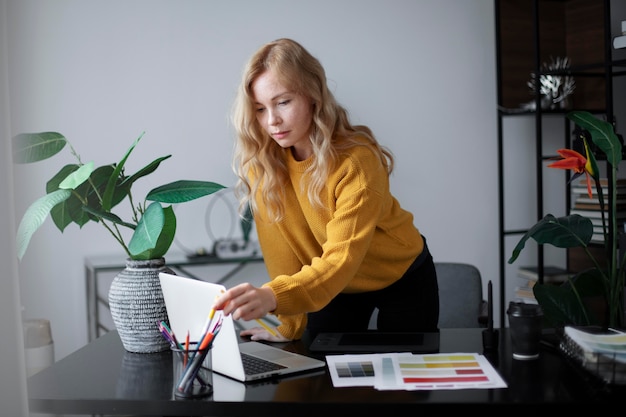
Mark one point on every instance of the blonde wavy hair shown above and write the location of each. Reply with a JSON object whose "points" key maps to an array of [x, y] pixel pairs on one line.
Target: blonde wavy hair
{"points": [[259, 162]]}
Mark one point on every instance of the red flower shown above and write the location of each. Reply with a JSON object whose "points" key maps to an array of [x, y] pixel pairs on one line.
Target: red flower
{"points": [[577, 163]]}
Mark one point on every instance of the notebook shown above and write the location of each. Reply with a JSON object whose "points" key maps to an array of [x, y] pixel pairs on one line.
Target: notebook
{"points": [[188, 302]]}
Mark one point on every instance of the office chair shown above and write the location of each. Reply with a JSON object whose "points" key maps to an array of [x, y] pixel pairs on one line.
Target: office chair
{"points": [[461, 302]]}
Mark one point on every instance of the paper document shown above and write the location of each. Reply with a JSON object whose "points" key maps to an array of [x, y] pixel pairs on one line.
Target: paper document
{"points": [[406, 371]]}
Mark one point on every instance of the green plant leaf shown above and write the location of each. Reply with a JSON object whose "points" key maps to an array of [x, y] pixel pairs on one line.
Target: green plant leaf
{"points": [[562, 307], [54, 182], [97, 184], [563, 232], [148, 230], [84, 194], [34, 217], [602, 134], [108, 216], [107, 196], [90, 194], [167, 234], [77, 177], [182, 191], [247, 221], [148, 169], [59, 213], [154, 233], [33, 147]]}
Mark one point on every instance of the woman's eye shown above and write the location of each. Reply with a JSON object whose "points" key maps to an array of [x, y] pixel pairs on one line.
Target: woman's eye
{"points": [[284, 102], [260, 109]]}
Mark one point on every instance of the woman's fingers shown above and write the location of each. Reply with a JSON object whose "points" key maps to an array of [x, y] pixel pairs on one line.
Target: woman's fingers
{"points": [[259, 333], [245, 301], [240, 301]]}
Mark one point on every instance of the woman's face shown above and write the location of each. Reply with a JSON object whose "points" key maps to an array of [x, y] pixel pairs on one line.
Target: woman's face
{"points": [[285, 115]]}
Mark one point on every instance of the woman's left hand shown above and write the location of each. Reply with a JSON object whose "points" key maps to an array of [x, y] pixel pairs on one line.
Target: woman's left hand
{"points": [[259, 333]]}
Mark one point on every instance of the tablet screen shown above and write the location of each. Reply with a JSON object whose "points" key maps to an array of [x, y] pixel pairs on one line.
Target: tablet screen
{"points": [[374, 341]]}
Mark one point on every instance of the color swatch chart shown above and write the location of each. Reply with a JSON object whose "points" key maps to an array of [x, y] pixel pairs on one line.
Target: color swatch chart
{"points": [[389, 371]]}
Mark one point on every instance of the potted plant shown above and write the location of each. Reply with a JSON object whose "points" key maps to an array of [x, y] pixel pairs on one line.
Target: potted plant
{"points": [[576, 301], [81, 193]]}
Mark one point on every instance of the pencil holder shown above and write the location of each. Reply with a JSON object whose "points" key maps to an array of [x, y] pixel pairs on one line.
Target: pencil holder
{"points": [[193, 377]]}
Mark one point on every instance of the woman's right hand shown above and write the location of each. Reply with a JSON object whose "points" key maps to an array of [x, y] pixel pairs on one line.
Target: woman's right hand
{"points": [[246, 302]]}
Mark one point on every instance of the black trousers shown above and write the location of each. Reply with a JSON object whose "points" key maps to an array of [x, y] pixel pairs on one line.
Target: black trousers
{"points": [[410, 304]]}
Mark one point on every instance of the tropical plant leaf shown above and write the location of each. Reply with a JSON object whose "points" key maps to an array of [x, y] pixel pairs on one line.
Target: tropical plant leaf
{"points": [[77, 177], [167, 234], [563, 232], [34, 217], [148, 230], [90, 194], [54, 182], [182, 191], [107, 197], [602, 134], [561, 305], [247, 222], [154, 234], [72, 209], [33, 147], [98, 183], [59, 213], [148, 169], [108, 216]]}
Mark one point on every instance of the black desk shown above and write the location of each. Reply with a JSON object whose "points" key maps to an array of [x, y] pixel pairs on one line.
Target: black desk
{"points": [[102, 378]]}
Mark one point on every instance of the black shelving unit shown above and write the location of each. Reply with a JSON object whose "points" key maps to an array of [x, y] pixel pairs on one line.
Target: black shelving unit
{"points": [[529, 33]]}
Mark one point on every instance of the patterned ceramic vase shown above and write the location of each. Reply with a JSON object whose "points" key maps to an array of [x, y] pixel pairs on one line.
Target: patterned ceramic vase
{"points": [[137, 305]]}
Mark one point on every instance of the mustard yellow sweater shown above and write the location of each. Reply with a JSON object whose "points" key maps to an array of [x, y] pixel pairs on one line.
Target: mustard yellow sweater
{"points": [[364, 242]]}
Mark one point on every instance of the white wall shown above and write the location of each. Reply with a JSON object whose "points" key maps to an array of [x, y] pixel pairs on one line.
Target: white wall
{"points": [[421, 73], [12, 366]]}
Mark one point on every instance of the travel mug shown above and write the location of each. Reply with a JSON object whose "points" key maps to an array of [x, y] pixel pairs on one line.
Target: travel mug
{"points": [[525, 328]]}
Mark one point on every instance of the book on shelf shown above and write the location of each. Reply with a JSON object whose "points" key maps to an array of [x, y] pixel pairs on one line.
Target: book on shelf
{"points": [[581, 187], [551, 274], [582, 191], [598, 228], [597, 214], [584, 199], [525, 295], [604, 182], [596, 206], [597, 222]]}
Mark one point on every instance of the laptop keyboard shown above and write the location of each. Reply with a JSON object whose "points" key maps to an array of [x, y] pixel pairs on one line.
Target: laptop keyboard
{"points": [[253, 365]]}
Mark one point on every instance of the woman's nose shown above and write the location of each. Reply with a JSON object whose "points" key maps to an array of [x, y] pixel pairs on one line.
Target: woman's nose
{"points": [[273, 119]]}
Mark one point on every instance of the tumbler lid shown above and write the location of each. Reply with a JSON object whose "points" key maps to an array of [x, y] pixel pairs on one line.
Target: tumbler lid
{"points": [[521, 309]]}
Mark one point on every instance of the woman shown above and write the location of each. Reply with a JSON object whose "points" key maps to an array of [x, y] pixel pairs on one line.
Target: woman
{"points": [[336, 243]]}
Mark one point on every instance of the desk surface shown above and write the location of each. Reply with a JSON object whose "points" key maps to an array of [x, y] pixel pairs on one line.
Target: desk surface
{"points": [[102, 378]]}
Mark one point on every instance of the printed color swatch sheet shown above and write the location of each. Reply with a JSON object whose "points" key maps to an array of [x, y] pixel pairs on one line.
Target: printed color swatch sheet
{"points": [[393, 371]]}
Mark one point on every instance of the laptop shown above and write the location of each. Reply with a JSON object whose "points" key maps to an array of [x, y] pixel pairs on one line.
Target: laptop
{"points": [[188, 302]]}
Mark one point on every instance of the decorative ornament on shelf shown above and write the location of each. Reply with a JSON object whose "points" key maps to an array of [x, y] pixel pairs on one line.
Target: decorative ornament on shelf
{"points": [[619, 42], [555, 89], [80, 193], [594, 296]]}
